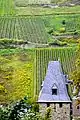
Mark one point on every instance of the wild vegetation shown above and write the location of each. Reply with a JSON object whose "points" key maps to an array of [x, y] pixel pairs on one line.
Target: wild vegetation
{"points": [[16, 74], [76, 73]]}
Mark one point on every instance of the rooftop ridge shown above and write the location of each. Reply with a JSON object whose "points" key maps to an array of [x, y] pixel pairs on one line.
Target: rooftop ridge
{"points": [[53, 76]]}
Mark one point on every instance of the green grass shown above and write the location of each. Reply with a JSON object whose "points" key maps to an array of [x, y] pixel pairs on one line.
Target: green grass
{"points": [[7, 7], [55, 23]]}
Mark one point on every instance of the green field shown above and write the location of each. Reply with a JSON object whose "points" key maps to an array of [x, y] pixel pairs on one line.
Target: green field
{"points": [[70, 24], [7, 7], [30, 29], [17, 7]]}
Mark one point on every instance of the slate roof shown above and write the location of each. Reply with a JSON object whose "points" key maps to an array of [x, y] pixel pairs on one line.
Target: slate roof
{"points": [[54, 76]]}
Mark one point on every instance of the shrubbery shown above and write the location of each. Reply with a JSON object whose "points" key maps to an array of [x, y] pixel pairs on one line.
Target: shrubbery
{"points": [[57, 43], [21, 110], [10, 43]]}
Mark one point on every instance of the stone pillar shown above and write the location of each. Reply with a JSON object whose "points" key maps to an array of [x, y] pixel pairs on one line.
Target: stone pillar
{"points": [[42, 109]]}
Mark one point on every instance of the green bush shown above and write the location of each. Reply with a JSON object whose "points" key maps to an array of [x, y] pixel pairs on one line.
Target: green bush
{"points": [[58, 43], [20, 110], [62, 30], [11, 43]]}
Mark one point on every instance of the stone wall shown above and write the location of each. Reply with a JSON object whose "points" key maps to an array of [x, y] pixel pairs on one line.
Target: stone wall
{"points": [[57, 112], [76, 108]]}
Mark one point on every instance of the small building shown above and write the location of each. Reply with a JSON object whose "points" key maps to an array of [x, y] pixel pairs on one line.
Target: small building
{"points": [[54, 94]]}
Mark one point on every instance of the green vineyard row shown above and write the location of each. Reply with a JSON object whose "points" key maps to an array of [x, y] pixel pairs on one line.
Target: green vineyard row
{"points": [[24, 28], [43, 56]]}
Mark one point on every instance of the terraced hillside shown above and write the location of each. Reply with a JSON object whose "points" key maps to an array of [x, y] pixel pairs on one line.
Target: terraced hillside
{"points": [[39, 29], [22, 71]]}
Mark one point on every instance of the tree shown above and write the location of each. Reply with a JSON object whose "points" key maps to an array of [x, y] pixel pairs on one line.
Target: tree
{"points": [[63, 22]]}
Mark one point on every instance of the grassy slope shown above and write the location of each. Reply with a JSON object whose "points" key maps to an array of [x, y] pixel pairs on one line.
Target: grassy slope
{"points": [[16, 74]]}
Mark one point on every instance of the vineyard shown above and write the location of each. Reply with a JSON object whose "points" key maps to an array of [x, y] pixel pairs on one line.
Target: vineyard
{"points": [[26, 28], [44, 55], [36, 29], [63, 24], [25, 25]]}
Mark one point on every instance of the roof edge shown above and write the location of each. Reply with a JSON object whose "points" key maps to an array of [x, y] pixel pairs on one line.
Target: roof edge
{"points": [[54, 101]]}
